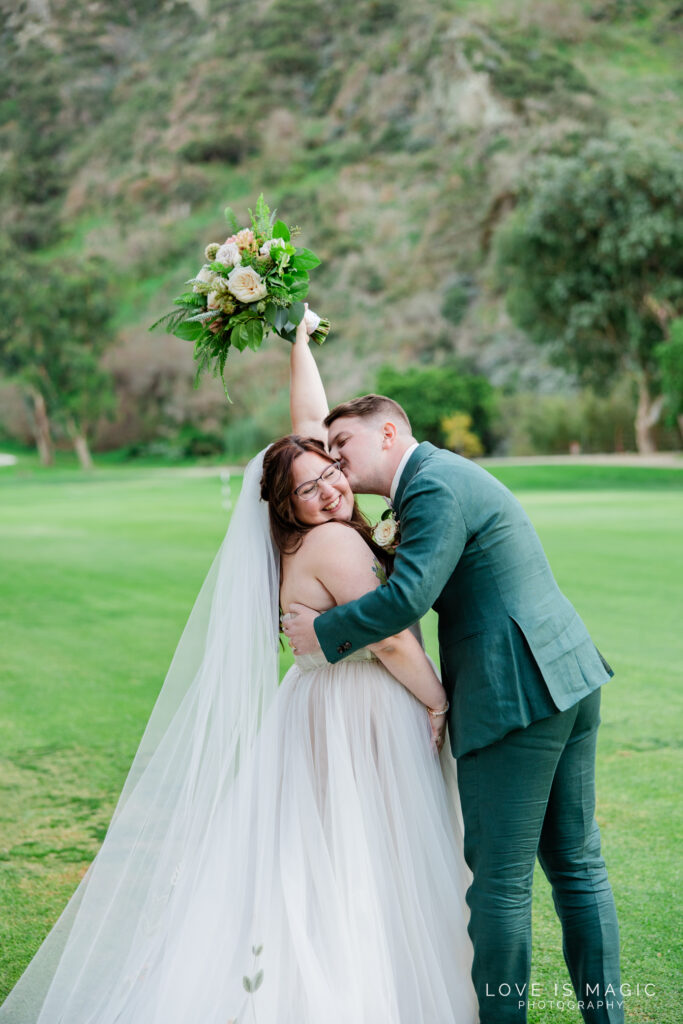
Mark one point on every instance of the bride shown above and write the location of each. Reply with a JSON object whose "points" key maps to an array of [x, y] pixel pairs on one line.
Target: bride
{"points": [[286, 855]]}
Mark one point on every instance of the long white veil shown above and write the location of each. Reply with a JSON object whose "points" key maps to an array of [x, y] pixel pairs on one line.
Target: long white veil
{"points": [[222, 678]]}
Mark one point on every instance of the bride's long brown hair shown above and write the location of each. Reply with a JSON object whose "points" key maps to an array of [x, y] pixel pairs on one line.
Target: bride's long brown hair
{"points": [[277, 485]]}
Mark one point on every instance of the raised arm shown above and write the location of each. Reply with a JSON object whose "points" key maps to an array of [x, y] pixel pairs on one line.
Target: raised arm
{"points": [[307, 400], [341, 560]]}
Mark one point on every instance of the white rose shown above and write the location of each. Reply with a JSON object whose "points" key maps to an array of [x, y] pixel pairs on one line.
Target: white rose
{"points": [[385, 532], [205, 276], [229, 255], [312, 321], [267, 246], [246, 284]]}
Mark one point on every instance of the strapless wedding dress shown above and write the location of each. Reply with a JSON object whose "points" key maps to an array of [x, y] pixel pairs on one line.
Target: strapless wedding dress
{"points": [[336, 895]]}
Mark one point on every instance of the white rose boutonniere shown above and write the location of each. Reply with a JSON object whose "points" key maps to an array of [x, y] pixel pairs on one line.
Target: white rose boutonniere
{"points": [[386, 533]]}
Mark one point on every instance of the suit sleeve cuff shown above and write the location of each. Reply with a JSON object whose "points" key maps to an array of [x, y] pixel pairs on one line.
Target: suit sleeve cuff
{"points": [[326, 631]]}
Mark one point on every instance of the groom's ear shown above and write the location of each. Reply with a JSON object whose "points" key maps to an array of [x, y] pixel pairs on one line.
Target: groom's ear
{"points": [[389, 434]]}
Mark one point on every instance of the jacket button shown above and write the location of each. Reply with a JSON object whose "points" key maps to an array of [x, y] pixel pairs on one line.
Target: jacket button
{"points": [[340, 649], [347, 645]]}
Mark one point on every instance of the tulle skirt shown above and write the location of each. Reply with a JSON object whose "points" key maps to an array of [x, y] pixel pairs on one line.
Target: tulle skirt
{"points": [[327, 888]]}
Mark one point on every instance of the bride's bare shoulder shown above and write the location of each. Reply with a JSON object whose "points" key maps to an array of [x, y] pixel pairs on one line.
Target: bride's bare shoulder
{"points": [[339, 539], [328, 553], [337, 555]]}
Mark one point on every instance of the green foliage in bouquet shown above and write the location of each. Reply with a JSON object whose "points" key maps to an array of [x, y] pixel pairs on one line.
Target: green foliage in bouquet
{"points": [[254, 282]]}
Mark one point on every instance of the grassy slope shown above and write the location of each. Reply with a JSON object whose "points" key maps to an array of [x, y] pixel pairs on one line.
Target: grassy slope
{"points": [[99, 576], [440, 187], [418, 198]]}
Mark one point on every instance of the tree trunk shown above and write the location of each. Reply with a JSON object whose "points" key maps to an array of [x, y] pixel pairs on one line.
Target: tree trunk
{"points": [[647, 415], [80, 444], [83, 452], [42, 429]]}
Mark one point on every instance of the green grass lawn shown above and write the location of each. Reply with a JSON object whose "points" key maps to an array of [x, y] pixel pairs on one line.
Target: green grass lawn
{"points": [[98, 575]]}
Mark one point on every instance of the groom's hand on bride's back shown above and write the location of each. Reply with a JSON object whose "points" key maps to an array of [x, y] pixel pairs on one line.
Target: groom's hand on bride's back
{"points": [[300, 631]]}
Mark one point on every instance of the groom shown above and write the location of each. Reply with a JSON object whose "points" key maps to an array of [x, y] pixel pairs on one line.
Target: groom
{"points": [[523, 678]]}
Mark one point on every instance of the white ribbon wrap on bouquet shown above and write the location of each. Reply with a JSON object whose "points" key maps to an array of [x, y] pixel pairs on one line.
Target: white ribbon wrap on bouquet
{"points": [[312, 321]]}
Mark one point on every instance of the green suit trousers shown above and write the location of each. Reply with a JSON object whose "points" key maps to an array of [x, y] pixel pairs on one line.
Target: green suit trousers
{"points": [[532, 793]]}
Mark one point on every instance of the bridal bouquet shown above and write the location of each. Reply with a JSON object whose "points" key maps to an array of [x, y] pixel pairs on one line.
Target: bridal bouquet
{"points": [[252, 283]]}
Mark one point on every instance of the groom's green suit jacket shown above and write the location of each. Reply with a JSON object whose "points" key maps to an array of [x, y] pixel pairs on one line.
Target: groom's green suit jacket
{"points": [[513, 649]]}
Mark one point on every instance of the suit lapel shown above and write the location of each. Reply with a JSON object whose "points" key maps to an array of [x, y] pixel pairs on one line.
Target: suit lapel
{"points": [[422, 452]]}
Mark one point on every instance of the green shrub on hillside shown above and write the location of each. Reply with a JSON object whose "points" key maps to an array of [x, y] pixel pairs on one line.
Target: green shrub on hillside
{"points": [[431, 395], [520, 67], [231, 148], [457, 299]]}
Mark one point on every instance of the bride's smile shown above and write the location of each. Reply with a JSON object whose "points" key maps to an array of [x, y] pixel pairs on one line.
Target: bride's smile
{"points": [[321, 492]]}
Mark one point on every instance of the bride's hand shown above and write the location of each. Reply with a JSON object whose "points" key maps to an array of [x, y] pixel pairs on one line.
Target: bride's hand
{"points": [[437, 722], [438, 731], [299, 628], [302, 335]]}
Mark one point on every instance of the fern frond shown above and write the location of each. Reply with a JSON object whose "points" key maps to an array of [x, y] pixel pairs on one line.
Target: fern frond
{"points": [[170, 320], [190, 298], [233, 223], [260, 221], [208, 314]]}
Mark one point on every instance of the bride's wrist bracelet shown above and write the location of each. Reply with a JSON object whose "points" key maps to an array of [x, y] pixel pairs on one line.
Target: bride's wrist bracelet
{"points": [[442, 711]]}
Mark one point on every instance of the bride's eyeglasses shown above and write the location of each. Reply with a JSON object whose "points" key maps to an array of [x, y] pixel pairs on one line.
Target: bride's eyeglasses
{"points": [[310, 488]]}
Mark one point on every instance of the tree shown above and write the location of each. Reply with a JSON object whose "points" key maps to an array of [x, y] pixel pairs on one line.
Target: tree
{"points": [[431, 394], [670, 357], [55, 326], [592, 256]]}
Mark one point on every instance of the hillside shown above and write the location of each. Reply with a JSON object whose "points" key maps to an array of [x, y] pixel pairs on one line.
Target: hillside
{"points": [[395, 134]]}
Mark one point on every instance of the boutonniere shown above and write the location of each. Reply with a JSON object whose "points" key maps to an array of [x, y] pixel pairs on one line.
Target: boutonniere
{"points": [[386, 533]]}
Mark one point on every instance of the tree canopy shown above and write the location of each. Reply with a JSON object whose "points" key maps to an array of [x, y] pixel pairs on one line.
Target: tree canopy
{"points": [[592, 262], [55, 328]]}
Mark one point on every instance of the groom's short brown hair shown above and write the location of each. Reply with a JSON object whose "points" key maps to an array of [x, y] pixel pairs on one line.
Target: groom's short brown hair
{"points": [[368, 406]]}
